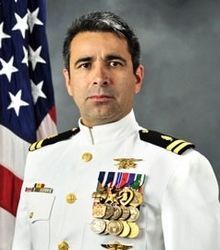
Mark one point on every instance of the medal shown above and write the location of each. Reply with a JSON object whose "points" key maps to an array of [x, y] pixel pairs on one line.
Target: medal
{"points": [[114, 227], [116, 204], [109, 211], [134, 213], [125, 196], [126, 229], [137, 199], [125, 213], [117, 213], [98, 226], [134, 230], [99, 196], [111, 197], [99, 210]]}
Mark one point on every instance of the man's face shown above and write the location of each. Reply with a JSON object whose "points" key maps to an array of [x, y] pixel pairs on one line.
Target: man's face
{"points": [[101, 78]]}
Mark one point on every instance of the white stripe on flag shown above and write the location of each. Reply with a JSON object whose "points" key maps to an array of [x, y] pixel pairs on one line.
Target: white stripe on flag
{"points": [[13, 151], [6, 233], [46, 128]]}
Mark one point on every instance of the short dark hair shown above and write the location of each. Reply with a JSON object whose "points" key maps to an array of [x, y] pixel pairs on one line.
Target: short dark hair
{"points": [[102, 21]]}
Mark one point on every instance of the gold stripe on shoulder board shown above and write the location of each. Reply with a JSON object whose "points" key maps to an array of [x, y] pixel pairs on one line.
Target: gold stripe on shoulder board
{"points": [[39, 144], [32, 146], [172, 145], [181, 146], [36, 145]]}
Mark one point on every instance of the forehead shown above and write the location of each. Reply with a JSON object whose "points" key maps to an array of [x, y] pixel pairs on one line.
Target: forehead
{"points": [[98, 42]]}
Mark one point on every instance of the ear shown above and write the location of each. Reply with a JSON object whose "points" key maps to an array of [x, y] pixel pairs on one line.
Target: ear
{"points": [[139, 74], [67, 81]]}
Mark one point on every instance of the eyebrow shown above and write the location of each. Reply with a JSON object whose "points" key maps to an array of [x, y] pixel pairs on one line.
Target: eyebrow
{"points": [[115, 57], [83, 59], [107, 58]]}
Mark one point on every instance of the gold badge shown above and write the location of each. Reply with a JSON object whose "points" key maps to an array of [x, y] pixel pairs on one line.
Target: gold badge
{"points": [[126, 163]]}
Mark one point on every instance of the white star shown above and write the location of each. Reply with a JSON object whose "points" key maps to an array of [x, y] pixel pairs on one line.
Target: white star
{"points": [[34, 57], [32, 19], [2, 34], [21, 24], [36, 90], [16, 1], [25, 59], [16, 102], [8, 68]]}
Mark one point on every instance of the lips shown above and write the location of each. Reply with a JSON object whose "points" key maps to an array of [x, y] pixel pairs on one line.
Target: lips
{"points": [[100, 98]]}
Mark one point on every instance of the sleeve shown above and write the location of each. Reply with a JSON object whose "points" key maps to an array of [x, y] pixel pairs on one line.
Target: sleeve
{"points": [[190, 206], [22, 235]]}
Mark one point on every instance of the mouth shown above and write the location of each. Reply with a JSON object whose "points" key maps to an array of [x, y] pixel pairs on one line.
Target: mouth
{"points": [[100, 98]]}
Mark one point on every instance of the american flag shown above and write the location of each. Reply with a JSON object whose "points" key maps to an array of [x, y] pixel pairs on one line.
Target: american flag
{"points": [[27, 111]]}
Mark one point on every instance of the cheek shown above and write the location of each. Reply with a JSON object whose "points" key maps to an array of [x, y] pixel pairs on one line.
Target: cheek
{"points": [[74, 87], [78, 93]]}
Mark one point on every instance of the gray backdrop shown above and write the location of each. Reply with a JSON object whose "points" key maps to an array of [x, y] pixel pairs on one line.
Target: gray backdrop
{"points": [[180, 42]]}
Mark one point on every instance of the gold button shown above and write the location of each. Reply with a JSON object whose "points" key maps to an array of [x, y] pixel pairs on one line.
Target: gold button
{"points": [[31, 214], [87, 156], [63, 245], [70, 198]]}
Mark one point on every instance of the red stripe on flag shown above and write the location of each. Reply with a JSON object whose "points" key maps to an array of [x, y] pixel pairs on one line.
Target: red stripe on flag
{"points": [[52, 113], [10, 186]]}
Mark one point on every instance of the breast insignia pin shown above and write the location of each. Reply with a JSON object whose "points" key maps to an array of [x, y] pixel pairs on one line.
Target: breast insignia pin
{"points": [[126, 163]]}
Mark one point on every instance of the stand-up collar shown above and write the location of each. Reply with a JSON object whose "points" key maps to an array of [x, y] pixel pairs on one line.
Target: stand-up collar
{"points": [[109, 132]]}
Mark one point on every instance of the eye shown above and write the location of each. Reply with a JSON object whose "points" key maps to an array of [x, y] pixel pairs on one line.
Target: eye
{"points": [[85, 65], [115, 63]]}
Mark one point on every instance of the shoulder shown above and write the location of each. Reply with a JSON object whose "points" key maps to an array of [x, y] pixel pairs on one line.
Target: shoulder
{"points": [[175, 145], [54, 139]]}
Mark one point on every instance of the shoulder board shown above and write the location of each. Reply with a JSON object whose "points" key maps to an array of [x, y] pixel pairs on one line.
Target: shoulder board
{"points": [[53, 139], [168, 142]]}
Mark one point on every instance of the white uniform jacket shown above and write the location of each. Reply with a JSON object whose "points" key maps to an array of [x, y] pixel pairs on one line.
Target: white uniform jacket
{"points": [[180, 211]]}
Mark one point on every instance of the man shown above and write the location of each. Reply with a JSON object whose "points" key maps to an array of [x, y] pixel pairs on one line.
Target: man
{"points": [[110, 183]]}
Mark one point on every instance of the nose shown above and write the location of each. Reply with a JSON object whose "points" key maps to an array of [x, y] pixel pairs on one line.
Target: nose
{"points": [[100, 75]]}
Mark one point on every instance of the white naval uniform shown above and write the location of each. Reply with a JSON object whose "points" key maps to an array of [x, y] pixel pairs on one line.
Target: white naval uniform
{"points": [[180, 212]]}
